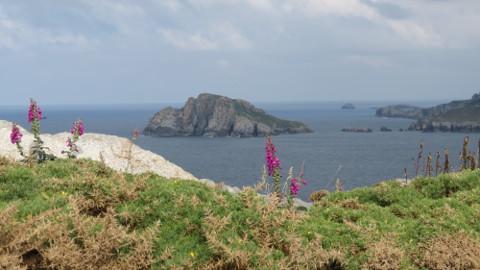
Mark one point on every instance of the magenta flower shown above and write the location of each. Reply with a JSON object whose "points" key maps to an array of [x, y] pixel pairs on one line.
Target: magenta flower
{"points": [[294, 187], [34, 112], [78, 128], [273, 163], [15, 135]]}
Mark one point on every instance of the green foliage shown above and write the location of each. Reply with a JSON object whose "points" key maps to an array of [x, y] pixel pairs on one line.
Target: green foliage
{"points": [[197, 227]]}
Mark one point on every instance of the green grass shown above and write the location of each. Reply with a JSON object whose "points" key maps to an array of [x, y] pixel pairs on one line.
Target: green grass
{"points": [[195, 226]]}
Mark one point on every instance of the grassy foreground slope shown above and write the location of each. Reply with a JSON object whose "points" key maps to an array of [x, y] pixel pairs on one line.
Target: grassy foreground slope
{"points": [[78, 214]]}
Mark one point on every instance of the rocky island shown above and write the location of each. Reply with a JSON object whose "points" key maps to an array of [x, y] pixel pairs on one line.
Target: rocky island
{"points": [[456, 116], [400, 111], [348, 106], [219, 116]]}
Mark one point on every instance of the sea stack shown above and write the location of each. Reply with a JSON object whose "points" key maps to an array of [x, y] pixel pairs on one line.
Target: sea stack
{"points": [[219, 116]]}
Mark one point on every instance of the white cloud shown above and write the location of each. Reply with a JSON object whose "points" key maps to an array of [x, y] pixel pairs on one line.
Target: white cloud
{"points": [[183, 26], [409, 30], [219, 36], [187, 41], [16, 34]]}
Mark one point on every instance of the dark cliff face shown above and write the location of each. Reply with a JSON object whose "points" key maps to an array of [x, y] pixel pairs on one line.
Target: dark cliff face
{"points": [[456, 116], [219, 116]]}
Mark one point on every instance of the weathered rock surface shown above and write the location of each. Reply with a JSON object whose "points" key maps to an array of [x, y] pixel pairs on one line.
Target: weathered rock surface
{"points": [[116, 152], [219, 116], [456, 116]]}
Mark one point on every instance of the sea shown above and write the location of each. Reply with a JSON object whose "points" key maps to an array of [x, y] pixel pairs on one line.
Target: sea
{"points": [[357, 159]]}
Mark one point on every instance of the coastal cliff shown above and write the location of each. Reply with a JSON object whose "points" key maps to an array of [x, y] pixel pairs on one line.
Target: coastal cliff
{"points": [[455, 116], [219, 116]]}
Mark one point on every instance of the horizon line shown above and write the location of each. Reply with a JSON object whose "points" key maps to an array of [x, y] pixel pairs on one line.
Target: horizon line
{"points": [[397, 101]]}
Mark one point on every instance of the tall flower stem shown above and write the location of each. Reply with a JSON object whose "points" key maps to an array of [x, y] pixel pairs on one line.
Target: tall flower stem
{"points": [[273, 165]]}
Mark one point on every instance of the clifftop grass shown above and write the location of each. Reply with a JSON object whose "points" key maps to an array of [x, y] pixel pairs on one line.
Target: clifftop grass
{"points": [[78, 214]]}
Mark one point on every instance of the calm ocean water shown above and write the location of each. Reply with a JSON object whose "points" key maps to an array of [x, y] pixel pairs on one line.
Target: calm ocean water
{"points": [[357, 159]]}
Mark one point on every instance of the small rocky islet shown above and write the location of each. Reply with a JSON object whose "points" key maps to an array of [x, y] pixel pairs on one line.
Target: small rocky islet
{"points": [[219, 116], [348, 106]]}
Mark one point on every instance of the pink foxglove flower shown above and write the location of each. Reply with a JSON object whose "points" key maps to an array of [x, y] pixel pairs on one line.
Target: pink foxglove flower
{"points": [[78, 129], [294, 187], [273, 163], [16, 135], [34, 112]]}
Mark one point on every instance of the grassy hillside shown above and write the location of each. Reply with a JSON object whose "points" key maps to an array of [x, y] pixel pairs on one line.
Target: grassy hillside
{"points": [[77, 214]]}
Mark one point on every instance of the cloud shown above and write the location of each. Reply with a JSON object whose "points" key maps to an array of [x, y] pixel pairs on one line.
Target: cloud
{"points": [[200, 25], [409, 30], [187, 41], [16, 34], [219, 36]]}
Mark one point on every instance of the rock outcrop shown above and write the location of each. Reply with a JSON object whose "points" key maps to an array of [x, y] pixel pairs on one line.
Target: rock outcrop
{"points": [[219, 116], [357, 130], [118, 153], [400, 111], [456, 116]]}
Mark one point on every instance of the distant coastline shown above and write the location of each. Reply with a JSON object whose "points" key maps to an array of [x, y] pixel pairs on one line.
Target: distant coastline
{"points": [[455, 116]]}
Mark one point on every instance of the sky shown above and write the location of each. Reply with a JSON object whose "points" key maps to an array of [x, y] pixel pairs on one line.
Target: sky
{"points": [[155, 51]]}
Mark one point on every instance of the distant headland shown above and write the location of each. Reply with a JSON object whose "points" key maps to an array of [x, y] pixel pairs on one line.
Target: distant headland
{"points": [[456, 116], [219, 116]]}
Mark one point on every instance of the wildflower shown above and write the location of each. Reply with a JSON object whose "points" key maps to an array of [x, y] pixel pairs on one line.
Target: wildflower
{"points": [[78, 129], [297, 182], [34, 112], [193, 254], [16, 138], [294, 187], [16, 135], [273, 163]]}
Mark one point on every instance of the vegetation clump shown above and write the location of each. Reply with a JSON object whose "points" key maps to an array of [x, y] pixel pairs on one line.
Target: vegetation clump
{"points": [[76, 214]]}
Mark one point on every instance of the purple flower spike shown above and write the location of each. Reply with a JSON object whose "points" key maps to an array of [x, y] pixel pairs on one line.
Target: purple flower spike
{"points": [[273, 163], [34, 112], [15, 135], [78, 128], [294, 187]]}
